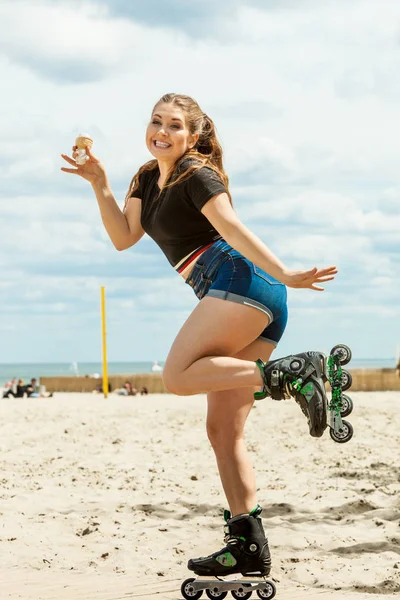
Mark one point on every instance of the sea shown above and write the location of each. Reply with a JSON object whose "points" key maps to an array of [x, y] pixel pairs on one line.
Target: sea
{"points": [[26, 371]]}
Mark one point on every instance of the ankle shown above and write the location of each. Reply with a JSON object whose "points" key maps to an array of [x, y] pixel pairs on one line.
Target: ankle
{"points": [[262, 393]]}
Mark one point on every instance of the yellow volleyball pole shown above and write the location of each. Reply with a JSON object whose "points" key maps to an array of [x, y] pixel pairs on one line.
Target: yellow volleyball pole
{"points": [[104, 341]]}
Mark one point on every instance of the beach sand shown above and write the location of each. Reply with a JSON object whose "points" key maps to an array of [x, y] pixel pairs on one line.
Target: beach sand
{"points": [[121, 491]]}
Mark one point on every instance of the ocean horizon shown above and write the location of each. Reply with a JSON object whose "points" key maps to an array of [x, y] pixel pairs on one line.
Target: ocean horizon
{"points": [[26, 371]]}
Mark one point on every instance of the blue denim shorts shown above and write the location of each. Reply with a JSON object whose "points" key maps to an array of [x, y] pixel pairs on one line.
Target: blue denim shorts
{"points": [[224, 273]]}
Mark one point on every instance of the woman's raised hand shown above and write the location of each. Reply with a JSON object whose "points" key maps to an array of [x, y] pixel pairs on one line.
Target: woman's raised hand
{"points": [[93, 170], [309, 279]]}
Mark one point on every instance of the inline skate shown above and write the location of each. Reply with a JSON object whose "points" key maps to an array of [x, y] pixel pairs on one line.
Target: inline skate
{"points": [[303, 377], [246, 553]]}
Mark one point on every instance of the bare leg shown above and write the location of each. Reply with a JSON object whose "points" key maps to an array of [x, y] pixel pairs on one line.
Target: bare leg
{"points": [[205, 354], [226, 418]]}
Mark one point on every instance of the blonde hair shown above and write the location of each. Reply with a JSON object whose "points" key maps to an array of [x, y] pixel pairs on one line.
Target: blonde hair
{"points": [[207, 150]]}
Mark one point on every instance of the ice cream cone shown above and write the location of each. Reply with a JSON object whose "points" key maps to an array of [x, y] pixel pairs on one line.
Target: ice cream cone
{"points": [[83, 140]]}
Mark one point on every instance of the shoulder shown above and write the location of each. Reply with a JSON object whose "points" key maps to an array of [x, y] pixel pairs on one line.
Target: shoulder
{"points": [[147, 175], [196, 171], [143, 180]]}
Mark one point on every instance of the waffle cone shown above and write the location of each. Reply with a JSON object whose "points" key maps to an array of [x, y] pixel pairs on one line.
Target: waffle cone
{"points": [[82, 141]]}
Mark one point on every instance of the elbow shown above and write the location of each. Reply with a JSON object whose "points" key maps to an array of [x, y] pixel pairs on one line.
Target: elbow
{"points": [[119, 245], [124, 244]]}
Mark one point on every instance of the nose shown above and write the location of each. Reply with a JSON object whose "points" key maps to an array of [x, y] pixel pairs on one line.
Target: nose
{"points": [[161, 131]]}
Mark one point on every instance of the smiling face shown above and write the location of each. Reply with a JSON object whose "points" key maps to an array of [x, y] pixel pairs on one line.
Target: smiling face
{"points": [[167, 135]]}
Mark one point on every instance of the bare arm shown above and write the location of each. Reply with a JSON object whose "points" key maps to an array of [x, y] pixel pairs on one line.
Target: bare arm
{"points": [[223, 218], [123, 227]]}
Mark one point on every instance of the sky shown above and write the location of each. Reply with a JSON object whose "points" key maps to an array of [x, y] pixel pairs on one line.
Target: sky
{"points": [[305, 96]]}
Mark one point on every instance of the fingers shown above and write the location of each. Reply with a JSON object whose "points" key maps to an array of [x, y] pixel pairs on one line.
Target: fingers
{"points": [[69, 160], [91, 156], [327, 271], [74, 171], [320, 279]]}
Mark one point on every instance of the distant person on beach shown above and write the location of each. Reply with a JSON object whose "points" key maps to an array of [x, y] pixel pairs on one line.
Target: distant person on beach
{"points": [[127, 390], [144, 391], [99, 388], [21, 389], [181, 199], [33, 389], [10, 389]]}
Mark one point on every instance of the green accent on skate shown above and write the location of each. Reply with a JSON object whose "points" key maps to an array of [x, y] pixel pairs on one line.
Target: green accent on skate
{"points": [[308, 391], [226, 560], [227, 515], [297, 384], [335, 380], [262, 393]]}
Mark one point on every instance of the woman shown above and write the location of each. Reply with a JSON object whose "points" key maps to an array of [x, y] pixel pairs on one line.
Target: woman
{"points": [[181, 199]]}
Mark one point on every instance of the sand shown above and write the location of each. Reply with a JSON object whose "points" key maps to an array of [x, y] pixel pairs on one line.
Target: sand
{"points": [[123, 490]]}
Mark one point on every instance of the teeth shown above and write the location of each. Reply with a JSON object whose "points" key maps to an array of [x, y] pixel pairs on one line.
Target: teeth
{"points": [[162, 144]]}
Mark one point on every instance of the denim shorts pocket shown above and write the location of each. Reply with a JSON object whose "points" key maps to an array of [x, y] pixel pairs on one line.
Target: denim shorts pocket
{"points": [[266, 276], [202, 286], [195, 275]]}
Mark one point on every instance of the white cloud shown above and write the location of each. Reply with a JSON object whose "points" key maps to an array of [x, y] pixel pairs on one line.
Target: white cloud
{"points": [[307, 108]]}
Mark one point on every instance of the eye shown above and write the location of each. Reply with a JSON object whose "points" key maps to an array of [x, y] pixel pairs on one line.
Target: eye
{"points": [[175, 126], [155, 122]]}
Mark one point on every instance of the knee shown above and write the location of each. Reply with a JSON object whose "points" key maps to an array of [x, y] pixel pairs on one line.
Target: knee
{"points": [[175, 383]]}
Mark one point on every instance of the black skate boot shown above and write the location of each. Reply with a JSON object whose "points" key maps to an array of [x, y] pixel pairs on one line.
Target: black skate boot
{"points": [[301, 376], [246, 549]]}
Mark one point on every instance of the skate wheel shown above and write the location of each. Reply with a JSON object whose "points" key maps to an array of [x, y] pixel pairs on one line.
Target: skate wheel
{"points": [[241, 594], [342, 352], [346, 380], [344, 434], [347, 406], [268, 591], [188, 591], [214, 594]]}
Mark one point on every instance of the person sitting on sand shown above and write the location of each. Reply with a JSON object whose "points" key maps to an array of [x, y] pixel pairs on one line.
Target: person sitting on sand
{"points": [[10, 389], [33, 389], [181, 199], [21, 389], [127, 390], [99, 388]]}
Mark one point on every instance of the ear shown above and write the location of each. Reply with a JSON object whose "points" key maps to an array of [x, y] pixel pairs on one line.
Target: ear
{"points": [[193, 140]]}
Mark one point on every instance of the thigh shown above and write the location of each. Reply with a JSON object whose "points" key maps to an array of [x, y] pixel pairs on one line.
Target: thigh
{"points": [[215, 328], [228, 410]]}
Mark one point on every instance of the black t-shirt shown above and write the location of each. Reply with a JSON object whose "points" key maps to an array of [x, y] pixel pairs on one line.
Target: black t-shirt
{"points": [[173, 219]]}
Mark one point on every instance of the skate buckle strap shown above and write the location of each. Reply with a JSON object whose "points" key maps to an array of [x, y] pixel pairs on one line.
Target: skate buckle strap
{"points": [[276, 392]]}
